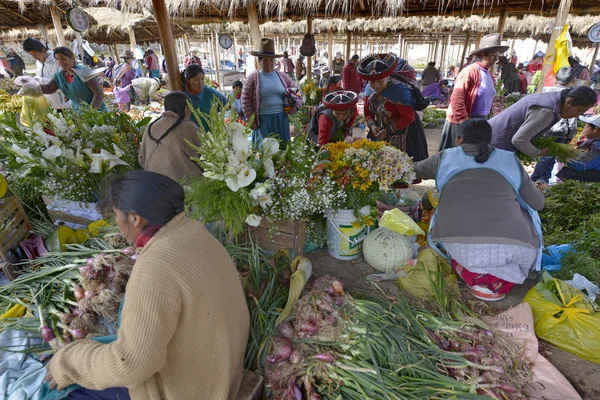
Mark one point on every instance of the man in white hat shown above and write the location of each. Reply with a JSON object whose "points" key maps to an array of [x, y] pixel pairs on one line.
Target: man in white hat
{"points": [[338, 64], [325, 75], [586, 167]]}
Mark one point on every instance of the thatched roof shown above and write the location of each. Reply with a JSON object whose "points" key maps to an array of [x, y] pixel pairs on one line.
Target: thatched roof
{"points": [[527, 26], [14, 15], [110, 26], [298, 9]]}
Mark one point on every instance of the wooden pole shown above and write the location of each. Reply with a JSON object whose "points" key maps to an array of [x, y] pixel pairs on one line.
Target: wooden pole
{"points": [[117, 55], [512, 47], [348, 44], [355, 43], [186, 43], [360, 48], [166, 39], [399, 44], [478, 42], [309, 59], [559, 23], [79, 44], [448, 54], [132, 42], [466, 46], [215, 54], [254, 25], [330, 49], [235, 52], [405, 51], [435, 53], [502, 22], [60, 35], [593, 63]]}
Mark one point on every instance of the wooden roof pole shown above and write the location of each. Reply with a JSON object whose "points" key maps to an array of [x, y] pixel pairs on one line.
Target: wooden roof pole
{"points": [[399, 43], [466, 46], [168, 43], [309, 60], [330, 49], [594, 57], [435, 54], [60, 35], [254, 25], [502, 22], [348, 44], [117, 55], [447, 54], [355, 43], [559, 23], [132, 41], [235, 52], [216, 58], [478, 42]]}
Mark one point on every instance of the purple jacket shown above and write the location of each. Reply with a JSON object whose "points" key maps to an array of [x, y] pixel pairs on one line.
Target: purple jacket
{"points": [[251, 94], [506, 124], [435, 89]]}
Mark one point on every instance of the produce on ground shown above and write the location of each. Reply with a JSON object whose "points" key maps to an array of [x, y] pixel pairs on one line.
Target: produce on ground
{"points": [[571, 216], [7, 84], [386, 250], [562, 152], [10, 103], [71, 295], [338, 347], [433, 116]]}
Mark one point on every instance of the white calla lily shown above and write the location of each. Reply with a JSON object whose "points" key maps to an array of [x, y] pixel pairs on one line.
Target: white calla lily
{"points": [[258, 192], [253, 220], [232, 184], [24, 153], [246, 176], [265, 200], [118, 152], [69, 154], [52, 152], [112, 160], [269, 147], [241, 146], [269, 168]]}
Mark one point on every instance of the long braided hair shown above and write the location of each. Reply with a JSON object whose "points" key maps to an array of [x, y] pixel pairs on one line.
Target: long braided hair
{"points": [[176, 102], [477, 131]]}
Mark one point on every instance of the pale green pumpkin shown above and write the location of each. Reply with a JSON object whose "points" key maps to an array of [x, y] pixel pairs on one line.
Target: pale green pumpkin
{"points": [[386, 250]]}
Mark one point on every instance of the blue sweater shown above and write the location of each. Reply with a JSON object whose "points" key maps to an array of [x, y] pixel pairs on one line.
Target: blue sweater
{"points": [[203, 102]]}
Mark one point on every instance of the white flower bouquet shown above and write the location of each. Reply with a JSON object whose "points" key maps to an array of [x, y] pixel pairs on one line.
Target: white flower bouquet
{"points": [[69, 154], [244, 184]]}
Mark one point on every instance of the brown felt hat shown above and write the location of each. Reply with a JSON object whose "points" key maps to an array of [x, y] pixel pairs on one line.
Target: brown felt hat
{"points": [[490, 43], [267, 49]]}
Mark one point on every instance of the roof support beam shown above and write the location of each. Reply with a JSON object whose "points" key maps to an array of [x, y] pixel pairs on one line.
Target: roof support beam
{"points": [[60, 35], [168, 43]]}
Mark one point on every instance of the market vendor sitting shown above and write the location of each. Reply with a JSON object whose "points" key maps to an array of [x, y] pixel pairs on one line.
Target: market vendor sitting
{"points": [[336, 120], [437, 91], [586, 167], [486, 221], [532, 116], [75, 81], [164, 148], [184, 321]]}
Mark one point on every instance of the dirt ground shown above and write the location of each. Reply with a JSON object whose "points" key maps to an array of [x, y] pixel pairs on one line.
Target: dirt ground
{"points": [[582, 374]]}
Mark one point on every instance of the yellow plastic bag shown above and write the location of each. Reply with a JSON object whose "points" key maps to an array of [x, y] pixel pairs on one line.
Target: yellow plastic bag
{"points": [[565, 317], [397, 221], [418, 279], [34, 110]]}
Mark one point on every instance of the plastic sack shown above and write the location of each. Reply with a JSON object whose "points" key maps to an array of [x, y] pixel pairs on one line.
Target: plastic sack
{"points": [[34, 110], [397, 221], [417, 279], [553, 255], [582, 283], [565, 317]]}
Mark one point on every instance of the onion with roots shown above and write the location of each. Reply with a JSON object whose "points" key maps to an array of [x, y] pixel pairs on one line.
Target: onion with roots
{"points": [[79, 293], [286, 330], [78, 333], [283, 348], [128, 251], [47, 333]]}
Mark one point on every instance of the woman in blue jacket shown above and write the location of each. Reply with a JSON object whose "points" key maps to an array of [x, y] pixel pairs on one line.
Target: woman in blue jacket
{"points": [[202, 96], [586, 167]]}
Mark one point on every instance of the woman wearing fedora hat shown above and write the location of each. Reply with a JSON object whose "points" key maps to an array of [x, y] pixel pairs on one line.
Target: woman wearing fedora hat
{"points": [[473, 91], [338, 64], [265, 94], [336, 117], [125, 73], [389, 110]]}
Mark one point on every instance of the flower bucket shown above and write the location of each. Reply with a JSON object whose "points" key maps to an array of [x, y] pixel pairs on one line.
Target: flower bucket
{"points": [[345, 241], [411, 211]]}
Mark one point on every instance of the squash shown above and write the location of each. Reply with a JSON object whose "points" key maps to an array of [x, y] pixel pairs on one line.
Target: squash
{"points": [[62, 236], [386, 250]]}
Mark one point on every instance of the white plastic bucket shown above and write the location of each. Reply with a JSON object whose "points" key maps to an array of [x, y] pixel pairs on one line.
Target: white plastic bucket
{"points": [[345, 241]]}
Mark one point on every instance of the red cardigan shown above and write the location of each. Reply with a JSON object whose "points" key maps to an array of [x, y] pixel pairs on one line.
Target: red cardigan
{"points": [[350, 78], [464, 93], [327, 126]]}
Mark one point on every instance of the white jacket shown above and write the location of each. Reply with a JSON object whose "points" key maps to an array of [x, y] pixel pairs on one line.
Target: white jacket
{"points": [[45, 73], [145, 87]]}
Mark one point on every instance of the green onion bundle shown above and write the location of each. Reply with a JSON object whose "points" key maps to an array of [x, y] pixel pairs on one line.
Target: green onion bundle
{"points": [[562, 152], [337, 347]]}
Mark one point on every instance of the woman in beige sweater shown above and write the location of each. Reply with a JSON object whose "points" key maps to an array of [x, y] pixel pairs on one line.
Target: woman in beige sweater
{"points": [[184, 322], [164, 149]]}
